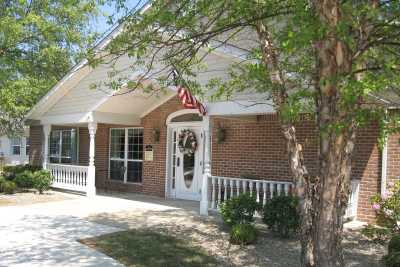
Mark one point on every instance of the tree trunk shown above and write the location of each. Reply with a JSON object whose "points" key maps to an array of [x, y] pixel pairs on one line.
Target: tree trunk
{"points": [[323, 198]]}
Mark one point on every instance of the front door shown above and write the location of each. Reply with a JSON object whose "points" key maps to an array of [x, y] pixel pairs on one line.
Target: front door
{"points": [[188, 163]]}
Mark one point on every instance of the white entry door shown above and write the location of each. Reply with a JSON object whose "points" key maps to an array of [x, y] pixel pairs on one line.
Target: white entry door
{"points": [[188, 166]]}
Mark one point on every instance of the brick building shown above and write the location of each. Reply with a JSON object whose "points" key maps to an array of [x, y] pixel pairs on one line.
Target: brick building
{"points": [[137, 142]]}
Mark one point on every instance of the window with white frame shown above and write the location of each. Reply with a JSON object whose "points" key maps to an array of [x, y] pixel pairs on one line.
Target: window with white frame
{"points": [[27, 146], [16, 146], [63, 146], [126, 154]]}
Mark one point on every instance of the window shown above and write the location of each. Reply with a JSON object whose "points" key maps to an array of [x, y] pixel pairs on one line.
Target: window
{"points": [[16, 146], [27, 146], [63, 146], [126, 154]]}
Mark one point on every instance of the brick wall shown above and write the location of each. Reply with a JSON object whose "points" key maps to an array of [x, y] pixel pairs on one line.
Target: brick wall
{"points": [[257, 149], [154, 171]]}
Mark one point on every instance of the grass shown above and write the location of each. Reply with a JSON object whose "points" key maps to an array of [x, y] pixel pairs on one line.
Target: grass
{"points": [[149, 248]]}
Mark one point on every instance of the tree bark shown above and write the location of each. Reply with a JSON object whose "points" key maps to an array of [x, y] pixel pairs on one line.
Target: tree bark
{"points": [[323, 198]]}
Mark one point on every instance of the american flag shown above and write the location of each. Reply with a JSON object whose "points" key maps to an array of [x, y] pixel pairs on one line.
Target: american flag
{"points": [[189, 101]]}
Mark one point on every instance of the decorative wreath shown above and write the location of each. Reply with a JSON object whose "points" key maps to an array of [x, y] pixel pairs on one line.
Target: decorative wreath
{"points": [[185, 136]]}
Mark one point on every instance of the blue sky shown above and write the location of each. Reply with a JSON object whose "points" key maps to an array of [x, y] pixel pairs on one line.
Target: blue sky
{"points": [[100, 24]]}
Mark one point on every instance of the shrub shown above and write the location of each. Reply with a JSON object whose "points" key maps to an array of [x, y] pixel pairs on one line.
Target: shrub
{"points": [[387, 209], [243, 234], [9, 187], [376, 234], [2, 181], [239, 210], [42, 180], [24, 179], [392, 259], [281, 215], [10, 172], [394, 244]]}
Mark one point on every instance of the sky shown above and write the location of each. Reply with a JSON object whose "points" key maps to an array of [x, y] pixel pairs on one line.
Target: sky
{"points": [[100, 24]]}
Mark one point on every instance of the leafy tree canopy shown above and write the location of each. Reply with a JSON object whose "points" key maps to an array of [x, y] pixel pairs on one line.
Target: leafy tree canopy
{"points": [[334, 59], [39, 41]]}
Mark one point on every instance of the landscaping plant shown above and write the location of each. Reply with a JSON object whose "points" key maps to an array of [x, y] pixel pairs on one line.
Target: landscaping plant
{"points": [[9, 187], [42, 180], [239, 210], [281, 215], [243, 234], [393, 257], [387, 209], [24, 179]]}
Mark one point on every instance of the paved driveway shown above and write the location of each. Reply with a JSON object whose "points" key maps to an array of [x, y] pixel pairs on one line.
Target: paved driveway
{"points": [[46, 234]]}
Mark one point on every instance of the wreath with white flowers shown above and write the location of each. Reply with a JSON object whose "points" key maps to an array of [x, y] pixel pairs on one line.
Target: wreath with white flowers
{"points": [[185, 136]]}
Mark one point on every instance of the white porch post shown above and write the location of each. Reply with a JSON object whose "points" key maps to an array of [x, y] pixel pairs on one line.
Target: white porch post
{"points": [[46, 133], [207, 167], [91, 182]]}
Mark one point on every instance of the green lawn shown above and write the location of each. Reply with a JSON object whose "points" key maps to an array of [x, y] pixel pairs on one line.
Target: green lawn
{"points": [[150, 248]]}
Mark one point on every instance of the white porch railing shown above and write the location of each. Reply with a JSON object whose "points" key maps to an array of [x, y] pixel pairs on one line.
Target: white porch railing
{"points": [[69, 177], [224, 188]]}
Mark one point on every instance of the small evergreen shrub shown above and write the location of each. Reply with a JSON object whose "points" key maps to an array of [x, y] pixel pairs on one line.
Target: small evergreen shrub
{"points": [[9, 187], [2, 181], [243, 234], [239, 210], [24, 179], [42, 180], [394, 244], [281, 215], [11, 172]]}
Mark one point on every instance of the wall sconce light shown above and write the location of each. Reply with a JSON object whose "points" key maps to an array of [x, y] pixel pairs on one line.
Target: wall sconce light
{"points": [[221, 135], [156, 135]]}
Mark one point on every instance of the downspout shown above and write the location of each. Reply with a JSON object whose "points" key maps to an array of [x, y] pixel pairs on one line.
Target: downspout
{"points": [[384, 165]]}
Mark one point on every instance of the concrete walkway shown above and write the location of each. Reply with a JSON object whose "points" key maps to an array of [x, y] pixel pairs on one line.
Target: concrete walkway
{"points": [[46, 234]]}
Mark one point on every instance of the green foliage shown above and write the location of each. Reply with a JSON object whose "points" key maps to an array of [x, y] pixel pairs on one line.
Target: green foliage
{"points": [[10, 172], [40, 40], [393, 257], [387, 209], [2, 181], [8, 187], [24, 179], [394, 244], [239, 210], [42, 180], [281, 215], [243, 234]]}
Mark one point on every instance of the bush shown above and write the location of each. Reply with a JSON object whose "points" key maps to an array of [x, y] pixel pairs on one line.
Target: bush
{"points": [[281, 215], [24, 179], [243, 234], [2, 181], [376, 234], [8, 187], [42, 180], [392, 259], [239, 210], [387, 209], [394, 244], [10, 172]]}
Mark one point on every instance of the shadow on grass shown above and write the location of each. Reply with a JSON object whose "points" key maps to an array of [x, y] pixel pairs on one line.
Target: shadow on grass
{"points": [[150, 248]]}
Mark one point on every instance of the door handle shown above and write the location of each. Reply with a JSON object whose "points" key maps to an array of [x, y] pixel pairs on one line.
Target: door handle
{"points": [[178, 161]]}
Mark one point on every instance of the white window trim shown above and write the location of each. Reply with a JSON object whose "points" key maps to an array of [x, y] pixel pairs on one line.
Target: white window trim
{"points": [[125, 159], [60, 144], [16, 145]]}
